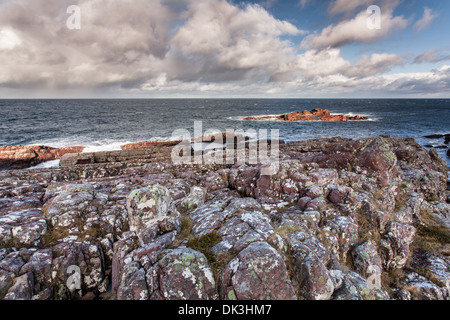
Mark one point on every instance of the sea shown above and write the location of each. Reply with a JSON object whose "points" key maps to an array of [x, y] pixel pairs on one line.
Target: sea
{"points": [[103, 125]]}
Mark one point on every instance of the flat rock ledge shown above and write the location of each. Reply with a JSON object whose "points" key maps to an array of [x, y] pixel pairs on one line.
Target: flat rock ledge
{"points": [[341, 219]]}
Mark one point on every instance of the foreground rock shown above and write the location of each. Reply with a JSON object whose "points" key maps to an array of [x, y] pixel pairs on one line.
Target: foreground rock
{"points": [[17, 157], [341, 219], [257, 273], [313, 115]]}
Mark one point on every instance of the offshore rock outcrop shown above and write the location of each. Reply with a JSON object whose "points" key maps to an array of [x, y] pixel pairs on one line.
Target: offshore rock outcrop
{"points": [[341, 219], [313, 115]]}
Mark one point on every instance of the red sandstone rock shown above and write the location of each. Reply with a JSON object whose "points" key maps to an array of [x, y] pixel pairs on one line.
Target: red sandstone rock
{"points": [[27, 156], [143, 145], [313, 115]]}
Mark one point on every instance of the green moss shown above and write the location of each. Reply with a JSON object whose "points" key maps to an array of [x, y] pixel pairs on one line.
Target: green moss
{"points": [[364, 255], [52, 236], [185, 232], [179, 267], [187, 259], [231, 295], [285, 230], [205, 243], [390, 157]]}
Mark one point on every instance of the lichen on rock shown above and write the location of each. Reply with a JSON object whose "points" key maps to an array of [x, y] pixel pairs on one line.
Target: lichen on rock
{"points": [[342, 219]]}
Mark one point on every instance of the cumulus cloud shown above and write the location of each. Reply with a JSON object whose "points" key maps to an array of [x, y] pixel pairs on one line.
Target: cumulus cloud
{"points": [[374, 64], [107, 50], [132, 43], [434, 81], [427, 19], [171, 47], [225, 42], [356, 30], [315, 64], [8, 39]]}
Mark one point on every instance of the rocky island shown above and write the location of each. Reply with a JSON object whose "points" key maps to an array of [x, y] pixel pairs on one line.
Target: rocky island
{"points": [[313, 115], [342, 219]]}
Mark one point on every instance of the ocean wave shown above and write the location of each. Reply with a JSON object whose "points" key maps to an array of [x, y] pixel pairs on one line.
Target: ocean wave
{"points": [[367, 115], [241, 118], [97, 147], [47, 164]]}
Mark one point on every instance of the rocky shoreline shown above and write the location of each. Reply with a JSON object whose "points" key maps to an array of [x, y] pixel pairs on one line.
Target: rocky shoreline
{"points": [[342, 219], [445, 139], [20, 157]]}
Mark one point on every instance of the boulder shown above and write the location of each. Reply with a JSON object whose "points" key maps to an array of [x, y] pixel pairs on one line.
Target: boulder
{"points": [[195, 199], [308, 257], [395, 245], [126, 244], [23, 227], [345, 231], [347, 291], [182, 274], [22, 288], [379, 158], [366, 259], [39, 264], [70, 205], [256, 273], [133, 285], [208, 218], [433, 267], [420, 288], [77, 268], [151, 212], [12, 262], [6, 282], [241, 230], [338, 194]]}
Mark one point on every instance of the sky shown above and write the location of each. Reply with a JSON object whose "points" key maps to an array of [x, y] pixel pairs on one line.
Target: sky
{"points": [[224, 49]]}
